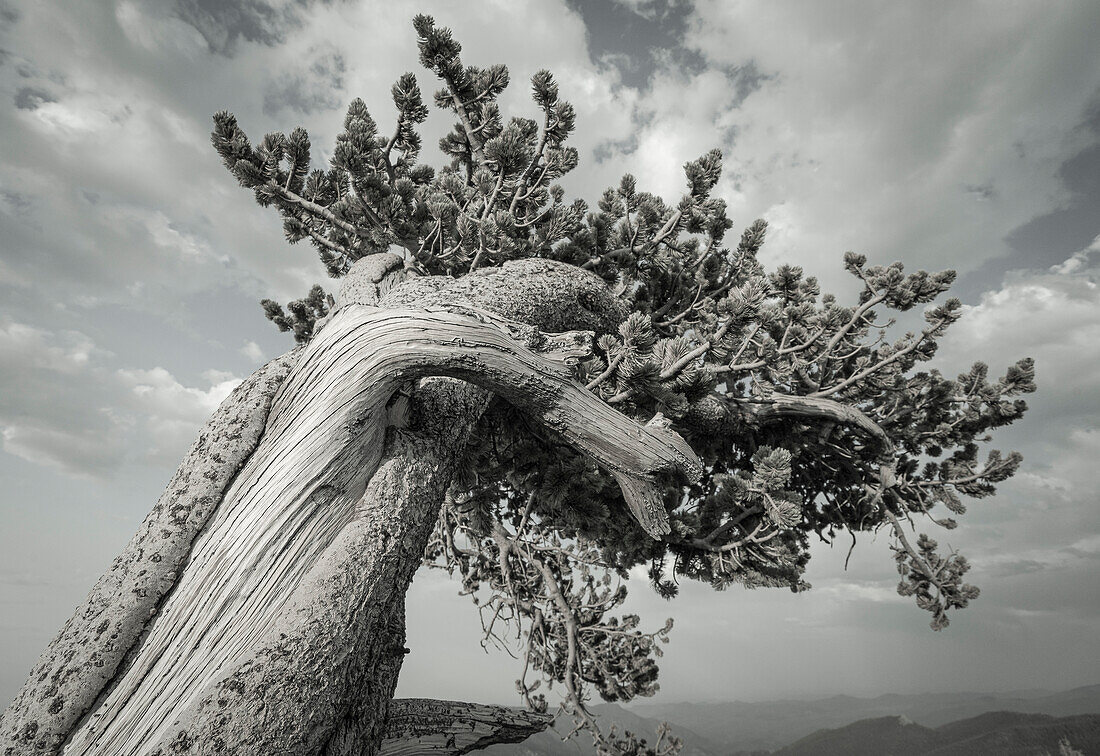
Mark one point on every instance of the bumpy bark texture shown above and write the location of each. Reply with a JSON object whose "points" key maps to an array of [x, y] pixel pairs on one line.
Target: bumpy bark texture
{"points": [[282, 627], [336, 632], [87, 652], [549, 295]]}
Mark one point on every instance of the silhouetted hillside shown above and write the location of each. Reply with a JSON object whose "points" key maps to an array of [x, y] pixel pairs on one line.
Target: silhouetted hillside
{"points": [[897, 736], [986, 723], [995, 734], [769, 725]]}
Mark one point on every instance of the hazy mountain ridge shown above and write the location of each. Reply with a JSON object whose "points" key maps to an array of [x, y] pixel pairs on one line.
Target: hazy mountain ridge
{"points": [[770, 725], [995, 734], [1023, 722]]}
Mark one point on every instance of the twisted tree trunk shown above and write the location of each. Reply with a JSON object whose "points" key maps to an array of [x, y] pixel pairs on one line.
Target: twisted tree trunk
{"points": [[260, 608]]}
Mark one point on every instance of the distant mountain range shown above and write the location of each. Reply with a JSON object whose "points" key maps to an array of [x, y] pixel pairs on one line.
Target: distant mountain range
{"points": [[1025, 722], [999, 733]]}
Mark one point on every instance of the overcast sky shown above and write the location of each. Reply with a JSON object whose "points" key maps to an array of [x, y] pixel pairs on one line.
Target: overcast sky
{"points": [[942, 134]]}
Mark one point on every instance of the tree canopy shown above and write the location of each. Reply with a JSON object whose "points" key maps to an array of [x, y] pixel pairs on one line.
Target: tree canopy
{"points": [[811, 418]]}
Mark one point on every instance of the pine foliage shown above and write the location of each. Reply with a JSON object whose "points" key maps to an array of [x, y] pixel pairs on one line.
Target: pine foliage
{"points": [[812, 419]]}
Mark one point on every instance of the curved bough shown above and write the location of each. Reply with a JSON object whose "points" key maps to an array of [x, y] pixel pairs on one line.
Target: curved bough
{"points": [[257, 568]]}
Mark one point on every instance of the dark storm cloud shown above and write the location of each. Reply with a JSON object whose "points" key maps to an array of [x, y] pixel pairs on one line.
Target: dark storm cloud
{"points": [[1050, 238], [29, 98], [634, 35], [223, 23], [8, 15]]}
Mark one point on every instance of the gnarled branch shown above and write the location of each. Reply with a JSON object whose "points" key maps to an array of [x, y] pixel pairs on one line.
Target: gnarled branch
{"points": [[250, 569], [714, 413], [426, 727]]}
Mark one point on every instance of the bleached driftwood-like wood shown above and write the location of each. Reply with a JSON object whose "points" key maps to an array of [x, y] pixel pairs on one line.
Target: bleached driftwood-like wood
{"points": [[303, 486], [347, 618], [426, 727]]}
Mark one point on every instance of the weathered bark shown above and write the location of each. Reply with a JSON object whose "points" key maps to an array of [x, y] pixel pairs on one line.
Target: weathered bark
{"points": [[282, 632], [87, 652], [334, 643]]}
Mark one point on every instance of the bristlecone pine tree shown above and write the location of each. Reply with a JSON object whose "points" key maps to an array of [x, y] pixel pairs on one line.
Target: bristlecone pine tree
{"points": [[534, 394]]}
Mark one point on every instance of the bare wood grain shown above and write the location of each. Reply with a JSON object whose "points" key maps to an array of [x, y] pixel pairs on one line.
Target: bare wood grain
{"points": [[245, 588]]}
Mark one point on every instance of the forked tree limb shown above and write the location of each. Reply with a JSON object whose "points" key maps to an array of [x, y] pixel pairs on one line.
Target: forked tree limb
{"points": [[374, 351]]}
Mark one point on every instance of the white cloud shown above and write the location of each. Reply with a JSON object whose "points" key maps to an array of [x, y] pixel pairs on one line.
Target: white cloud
{"points": [[153, 28], [8, 277], [1052, 316], [683, 117], [644, 8], [1079, 555], [47, 413], [71, 121], [62, 406], [172, 412], [1089, 545], [83, 453], [159, 228], [1033, 546], [651, 10], [1046, 483], [252, 351], [1079, 262], [860, 590], [25, 346], [876, 131]]}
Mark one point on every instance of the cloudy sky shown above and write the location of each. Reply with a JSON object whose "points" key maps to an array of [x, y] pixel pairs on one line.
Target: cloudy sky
{"points": [[961, 134]]}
